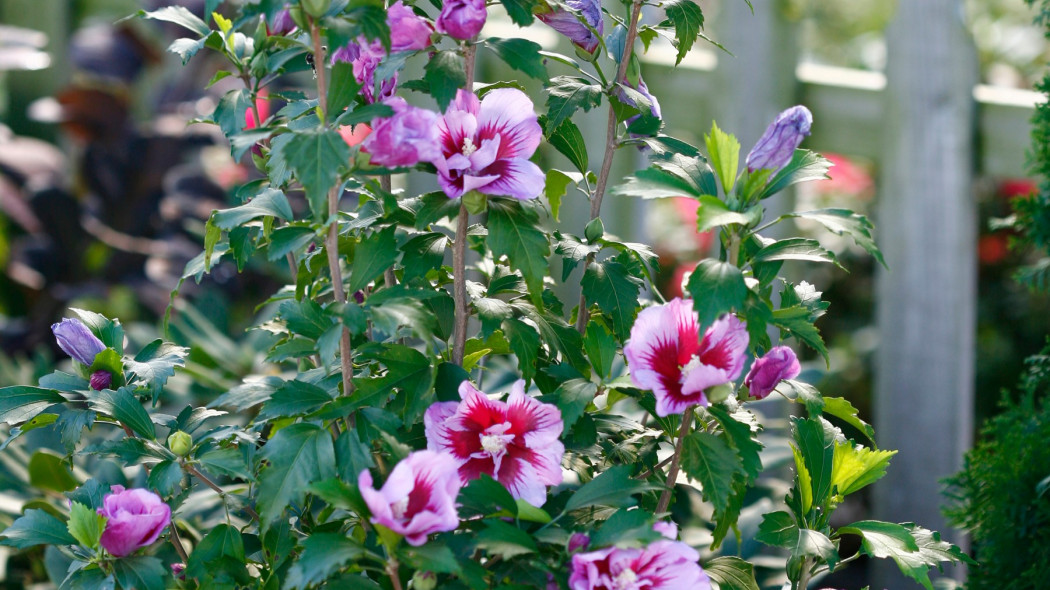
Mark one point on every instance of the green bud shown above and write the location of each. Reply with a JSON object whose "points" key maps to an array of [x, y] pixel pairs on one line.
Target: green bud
{"points": [[594, 230], [315, 8], [180, 443], [424, 581], [476, 202], [719, 393]]}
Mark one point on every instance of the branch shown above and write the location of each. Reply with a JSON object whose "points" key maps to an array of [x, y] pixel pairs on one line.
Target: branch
{"points": [[672, 473], [459, 247]]}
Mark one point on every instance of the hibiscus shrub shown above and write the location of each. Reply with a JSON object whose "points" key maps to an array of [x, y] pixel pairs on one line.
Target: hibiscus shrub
{"points": [[377, 449]]}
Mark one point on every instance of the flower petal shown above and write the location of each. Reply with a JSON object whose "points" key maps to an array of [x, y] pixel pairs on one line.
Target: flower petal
{"points": [[520, 179], [509, 113]]}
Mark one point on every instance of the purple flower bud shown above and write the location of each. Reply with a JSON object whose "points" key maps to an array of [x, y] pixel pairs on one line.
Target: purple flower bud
{"points": [[777, 145], [134, 519], [778, 364], [282, 23], [462, 19], [408, 137], [668, 529], [408, 32], [644, 91], [365, 58], [569, 23], [101, 380], [76, 340], [178, 569], [578, 541]]}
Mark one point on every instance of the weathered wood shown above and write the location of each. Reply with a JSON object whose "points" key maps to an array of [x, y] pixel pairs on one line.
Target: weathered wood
{"points": [[926, 304]]}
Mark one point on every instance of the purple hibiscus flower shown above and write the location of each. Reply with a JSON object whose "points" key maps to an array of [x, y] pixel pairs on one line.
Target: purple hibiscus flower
{"points": [[462, 19], [576, 24], [777, 145], [134, 519], [486, 145], [515, 442], [407, 137], [662, 565], [417, 499]]}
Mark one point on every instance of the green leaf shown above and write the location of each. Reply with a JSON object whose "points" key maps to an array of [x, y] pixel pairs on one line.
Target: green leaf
{"points": [[520, 54], [614, 487], [229, 113], [731, 573], [743, 439], [688, 20], [323, 555], [297, 454], [36, 527], [88, 577], [778, 529], [795, 249], [843, 410], [520, 11], [843, 222], [615, 290], [108, 331], [317, 156], [291, 238], [140, 573], [710, 460], [422, 254], [717, 288], [804, 166], [507, 541], [154, 364], [818, 453], [373, 255], [566, 95], [572, 398], [513, 233], [568, 140], [724, 151], [408, 371], [653, 183], [431, 557], [714, 213], [795, 321], [221, 541], [886, 540], [20, 403], [344, 88], [122, 405], [525, 343], [294, 398], [484, 497], [85, 524], [600, 347], [556, 186], [625, 525], [270, 202], [445, 74], [48, 471], [178, 15], [305, 318], [856, 467], [166, 478], [803, 393]]}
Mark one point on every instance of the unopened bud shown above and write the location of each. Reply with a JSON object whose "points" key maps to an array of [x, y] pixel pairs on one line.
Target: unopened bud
{"points": [[719, 393], [180, 443], [776, 147], [424, 581], [101, 380], [594, 230]]}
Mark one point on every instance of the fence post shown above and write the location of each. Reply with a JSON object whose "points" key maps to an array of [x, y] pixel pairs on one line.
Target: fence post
{"points": [[927, 300]]}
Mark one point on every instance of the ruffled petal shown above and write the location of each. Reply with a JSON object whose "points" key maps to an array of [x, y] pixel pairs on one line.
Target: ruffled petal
{"points": [[520, 179], [509, 113]]}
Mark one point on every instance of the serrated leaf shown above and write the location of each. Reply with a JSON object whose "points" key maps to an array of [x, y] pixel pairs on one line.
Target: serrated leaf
{"points": [[323, 555], [122, 405], [856, 467], [572, 398], [408, 372], [373, 255], [513, 233], [290, 238], [615, 290], [154, 364], [140, 573], [845, 222], [805, 165], [520, 11], [688, 20], [178, 15], [525, 343], [520, 54], [166, 478], [569, 141], [269, 202], [230, 112], [717, 288], [423, 253], [778, 529], [85, 524], [724, 151], [713, 213], [294, 398], [555, 188], [36, 527], [445, 75], [221, 541], [743, 439], [613, 487], [795, 249], [566, 95], [317, 156], [507, 541], [710, 460], [108, 331], [818, 453], [731, 573], [795, 321], [296, 454], [600, 347], [843, 410], [20, 403]]}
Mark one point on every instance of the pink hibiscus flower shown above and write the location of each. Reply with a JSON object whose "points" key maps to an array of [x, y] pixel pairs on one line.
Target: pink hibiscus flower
{"points": [[663, 565], [417, 499], [515, 442], [667, 356], [486, 145]]}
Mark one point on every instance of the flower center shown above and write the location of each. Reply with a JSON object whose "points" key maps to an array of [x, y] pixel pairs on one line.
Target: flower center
{"points": [[626, 580], [469, 147], [494, 444], [399, 507], [693, 363]]}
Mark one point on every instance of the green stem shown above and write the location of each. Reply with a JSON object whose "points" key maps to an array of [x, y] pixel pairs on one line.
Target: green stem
{"points": [[676, 461]]}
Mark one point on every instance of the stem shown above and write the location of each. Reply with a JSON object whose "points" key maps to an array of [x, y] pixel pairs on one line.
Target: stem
{"points": [[389, 279], [391, 570], [459, 247], [177, 543], [214, 486], [803, 576], [672, 473], [332, 239], [649, 472], [610, 148]]}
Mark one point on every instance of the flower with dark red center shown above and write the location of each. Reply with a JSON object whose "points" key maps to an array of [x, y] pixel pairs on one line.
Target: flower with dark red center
{"points": [[663, 565], [515, 442], [667, 356], [419, 497], [778, 364], [486, 145]]}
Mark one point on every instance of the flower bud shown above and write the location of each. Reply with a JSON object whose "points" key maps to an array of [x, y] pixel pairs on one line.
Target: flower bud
{"points": [[568, 23], [315, 8], [101, 380], [594, 230], [424, 581], [777, 145], [719, 393], [76, 340], [578, 542], [178, 570], [180, 443], [778, 364], [462, 19]]}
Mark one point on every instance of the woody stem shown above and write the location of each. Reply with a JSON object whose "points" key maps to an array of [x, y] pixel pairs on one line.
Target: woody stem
{"points": [[459, 247]]}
